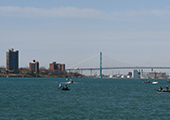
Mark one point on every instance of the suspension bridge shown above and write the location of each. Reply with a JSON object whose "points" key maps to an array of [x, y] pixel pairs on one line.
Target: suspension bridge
{"points": [[113, 61]]}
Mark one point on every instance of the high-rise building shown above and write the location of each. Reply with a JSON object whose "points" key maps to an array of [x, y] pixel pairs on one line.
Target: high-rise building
{"points": [[57, 66], [34, 66], [62, 67], [53, 66], [12, 60]]}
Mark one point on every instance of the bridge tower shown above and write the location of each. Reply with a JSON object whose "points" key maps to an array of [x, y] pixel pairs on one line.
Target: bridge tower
{"points": [[100, 64]]}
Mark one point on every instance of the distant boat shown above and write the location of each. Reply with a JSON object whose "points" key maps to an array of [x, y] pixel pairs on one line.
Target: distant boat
{"points": [[146, 81], [60, 87], [63, 88], [162, 91], [154, 82], [70, 81]]}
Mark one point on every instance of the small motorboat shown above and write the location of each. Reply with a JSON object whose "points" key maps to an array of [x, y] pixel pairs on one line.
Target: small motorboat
{"points": [[70, 81], [162, 91], [63, 88], [60, 87], [154, 82], [146, 81]]}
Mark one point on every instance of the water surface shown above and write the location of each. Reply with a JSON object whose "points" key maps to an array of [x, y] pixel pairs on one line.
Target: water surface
{"points": [[94, 99]]}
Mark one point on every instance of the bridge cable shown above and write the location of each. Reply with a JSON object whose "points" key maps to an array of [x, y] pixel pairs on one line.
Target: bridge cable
{"points": [[120, 60], [84, 61]]}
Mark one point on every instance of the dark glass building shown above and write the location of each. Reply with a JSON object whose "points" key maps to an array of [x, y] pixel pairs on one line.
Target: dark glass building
{"points": [[12, 60]]}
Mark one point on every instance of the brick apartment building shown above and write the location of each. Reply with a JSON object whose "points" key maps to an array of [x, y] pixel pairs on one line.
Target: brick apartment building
{"points": [[34, 66], [57, 66]]}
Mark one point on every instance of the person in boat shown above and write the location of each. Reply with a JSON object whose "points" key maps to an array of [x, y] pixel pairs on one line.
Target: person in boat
{"points": [[167, 88], [60, 85], [160, 88], [65, 86]]}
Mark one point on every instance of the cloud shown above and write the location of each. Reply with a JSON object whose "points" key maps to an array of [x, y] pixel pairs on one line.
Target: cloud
{"points": [[167, 6], [159, 12], [54, 12], [74, 12]]}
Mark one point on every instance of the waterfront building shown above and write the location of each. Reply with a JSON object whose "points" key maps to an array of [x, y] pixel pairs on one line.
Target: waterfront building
{"points": [[12, 60], [154, 75], [57, 66], [110, 76], [158, 75], [135, 74], [53, 66], [34, 66], [129, 75], [62, 67], [144, 75]]}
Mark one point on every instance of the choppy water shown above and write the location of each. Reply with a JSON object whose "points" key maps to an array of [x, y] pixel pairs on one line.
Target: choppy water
{"points": [[89, 99]]}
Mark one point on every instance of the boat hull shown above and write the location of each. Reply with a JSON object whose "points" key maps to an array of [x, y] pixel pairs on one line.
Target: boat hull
{"points": [[154, 83], [145, 81], [62, 88], [162, 91], [70, 81]]}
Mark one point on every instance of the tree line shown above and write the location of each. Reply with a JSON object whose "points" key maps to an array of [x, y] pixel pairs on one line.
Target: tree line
{"points": [[43, 72]]}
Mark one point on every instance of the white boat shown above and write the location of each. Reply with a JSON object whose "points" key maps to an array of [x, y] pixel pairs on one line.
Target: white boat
{"points": [[70, 81], [154, 82]]}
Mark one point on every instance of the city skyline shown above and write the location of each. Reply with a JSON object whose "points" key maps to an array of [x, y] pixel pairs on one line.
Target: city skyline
{"points": [[68, 32]]}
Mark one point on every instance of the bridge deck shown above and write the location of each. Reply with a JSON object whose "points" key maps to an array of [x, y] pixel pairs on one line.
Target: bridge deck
{"points": [[119, 68]]}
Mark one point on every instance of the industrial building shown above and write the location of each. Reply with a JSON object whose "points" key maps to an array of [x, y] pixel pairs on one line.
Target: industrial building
{"points": [[144, 75], [12, 60], [34, 66], [154, 75]]}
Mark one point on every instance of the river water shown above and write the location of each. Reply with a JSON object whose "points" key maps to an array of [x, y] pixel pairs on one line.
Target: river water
{"points": [[88, 99]]}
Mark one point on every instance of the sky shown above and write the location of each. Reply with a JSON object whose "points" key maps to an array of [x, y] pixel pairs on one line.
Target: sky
{"points": [[68, 32]]}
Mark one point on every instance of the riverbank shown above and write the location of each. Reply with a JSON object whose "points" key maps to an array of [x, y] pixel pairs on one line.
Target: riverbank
{"points": [[34, 75]]}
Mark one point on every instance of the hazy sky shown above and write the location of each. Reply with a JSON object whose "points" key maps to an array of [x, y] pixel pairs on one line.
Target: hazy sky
{"points": [[134, 31]]}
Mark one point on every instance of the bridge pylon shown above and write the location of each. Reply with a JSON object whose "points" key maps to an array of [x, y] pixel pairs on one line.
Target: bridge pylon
{"points": [[100, 64]]}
